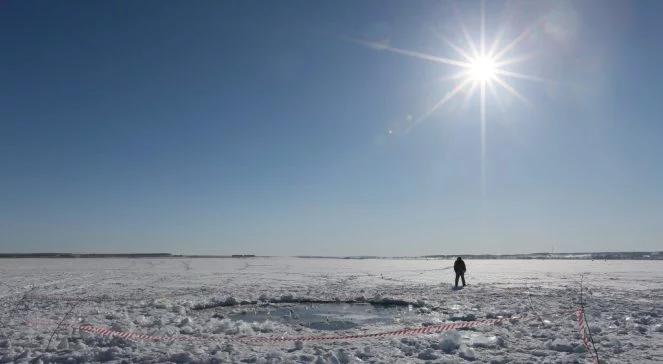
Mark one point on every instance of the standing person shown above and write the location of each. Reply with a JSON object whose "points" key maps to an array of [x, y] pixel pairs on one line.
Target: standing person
{"points": [[459, 268]]}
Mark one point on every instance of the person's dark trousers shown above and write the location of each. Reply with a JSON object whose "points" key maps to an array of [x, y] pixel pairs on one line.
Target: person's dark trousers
{"points": [[462, 276]]}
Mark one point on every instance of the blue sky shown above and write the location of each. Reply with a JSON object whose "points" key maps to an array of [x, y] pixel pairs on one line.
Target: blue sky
{"points": [[258, 127]]}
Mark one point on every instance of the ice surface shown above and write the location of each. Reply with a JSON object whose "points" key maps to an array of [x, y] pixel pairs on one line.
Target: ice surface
{"points": [[205, 298], [324, 316]]}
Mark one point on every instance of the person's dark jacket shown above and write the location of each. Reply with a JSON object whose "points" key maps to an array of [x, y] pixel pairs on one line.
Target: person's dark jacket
{"points": [[459, 266]]}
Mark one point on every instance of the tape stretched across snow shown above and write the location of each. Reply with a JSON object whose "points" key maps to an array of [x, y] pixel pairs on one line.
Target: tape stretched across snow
{"points": [[432, 329], [582, 324]]}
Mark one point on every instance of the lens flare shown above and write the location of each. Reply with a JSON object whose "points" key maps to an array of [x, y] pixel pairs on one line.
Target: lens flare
{"points": [[482, 66], [482, 69]]}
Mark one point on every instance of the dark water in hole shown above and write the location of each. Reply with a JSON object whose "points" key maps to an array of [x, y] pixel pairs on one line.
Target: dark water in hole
{"points": [[327, 316]]}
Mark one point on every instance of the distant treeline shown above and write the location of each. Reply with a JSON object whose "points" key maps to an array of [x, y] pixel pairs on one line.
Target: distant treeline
{"points": [[584, 256], [133, 255], [578, 256]]}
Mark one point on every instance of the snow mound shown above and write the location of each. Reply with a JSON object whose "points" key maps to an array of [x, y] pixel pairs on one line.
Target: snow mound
{"points": [[561, 345], [449, 342]]}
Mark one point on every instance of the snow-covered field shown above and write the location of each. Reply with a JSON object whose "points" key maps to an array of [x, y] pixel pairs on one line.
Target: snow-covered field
{"points": [[624, 304]]}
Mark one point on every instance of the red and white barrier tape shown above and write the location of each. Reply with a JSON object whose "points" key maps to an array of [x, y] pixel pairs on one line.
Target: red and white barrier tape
{"points": [[432, 329], [582, 327]]}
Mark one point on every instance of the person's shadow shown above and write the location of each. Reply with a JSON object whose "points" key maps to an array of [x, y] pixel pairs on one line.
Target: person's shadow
{"points": [[454, 288]]}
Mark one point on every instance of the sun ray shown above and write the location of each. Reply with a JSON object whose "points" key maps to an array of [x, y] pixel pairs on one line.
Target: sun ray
{"points": [[493, 91], [455, 76], [499, 36], [496, 42], [458, 49], [468, 94], [515, 42], [444, 100], [483, 28], [409, 53], [511, 89], [515, 60], [519, 75], [483, 137], [466, 34], [453, 45]]}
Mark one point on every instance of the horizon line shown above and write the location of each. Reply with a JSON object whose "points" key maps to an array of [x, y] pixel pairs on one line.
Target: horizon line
{"points": [[657, 254]]}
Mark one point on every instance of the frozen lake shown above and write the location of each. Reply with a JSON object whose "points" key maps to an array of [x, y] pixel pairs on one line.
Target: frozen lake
{"points": [[216, 300]]}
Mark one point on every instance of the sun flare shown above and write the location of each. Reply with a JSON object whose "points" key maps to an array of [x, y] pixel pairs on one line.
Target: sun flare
{"points": [[482, 69]]}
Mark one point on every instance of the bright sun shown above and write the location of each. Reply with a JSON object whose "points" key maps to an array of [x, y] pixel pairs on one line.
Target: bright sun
{"points": [[485, 68], [482, 69]]}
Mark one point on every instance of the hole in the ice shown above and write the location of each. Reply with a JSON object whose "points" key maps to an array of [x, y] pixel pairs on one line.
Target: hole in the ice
{"points": [[327, 316]]}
